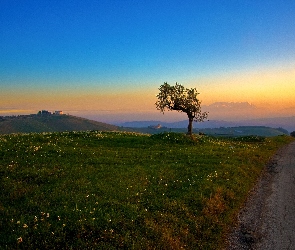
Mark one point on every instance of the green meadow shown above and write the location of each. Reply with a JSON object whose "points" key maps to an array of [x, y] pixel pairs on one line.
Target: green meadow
{"points": [[119, 190]]}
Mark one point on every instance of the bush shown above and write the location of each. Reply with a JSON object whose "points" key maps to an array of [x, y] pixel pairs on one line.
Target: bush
{"points": [[292, 133], [283, 130], [250, 138], [172, 137]]}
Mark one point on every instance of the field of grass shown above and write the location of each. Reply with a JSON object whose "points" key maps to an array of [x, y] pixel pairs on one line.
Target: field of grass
{"points": [[116, 190]]}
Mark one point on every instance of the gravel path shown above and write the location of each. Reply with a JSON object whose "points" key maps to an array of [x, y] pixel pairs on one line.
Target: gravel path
{"points": [[268, 219]]}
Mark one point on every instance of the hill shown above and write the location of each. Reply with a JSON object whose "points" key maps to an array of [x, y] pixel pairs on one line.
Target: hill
{"points": [[222, 131], [288, 123], [245, 131], [178, 124], [50, 123], [59, 123]]}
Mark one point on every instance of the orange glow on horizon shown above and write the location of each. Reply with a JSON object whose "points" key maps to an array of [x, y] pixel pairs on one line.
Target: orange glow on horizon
{"points": [[269, 90], [274, 88]]}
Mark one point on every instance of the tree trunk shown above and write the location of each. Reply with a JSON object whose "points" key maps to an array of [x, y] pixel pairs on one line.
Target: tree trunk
{"points": [[190, 126]]}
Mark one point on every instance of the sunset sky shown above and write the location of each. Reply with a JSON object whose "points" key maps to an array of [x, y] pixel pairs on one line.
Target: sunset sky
{"points": [[106, 59]]}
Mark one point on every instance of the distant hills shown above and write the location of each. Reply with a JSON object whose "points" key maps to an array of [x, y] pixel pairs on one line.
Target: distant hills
{"points": [[59, 123], [221, 131], [287, 123], [49, 123], [231, 105], [178, 124]]}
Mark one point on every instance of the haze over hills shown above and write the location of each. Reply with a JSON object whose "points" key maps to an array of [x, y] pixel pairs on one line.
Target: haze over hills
{"points": [[60, 123], [287, 123], [235, 111], [240, 110], [232, 105], [228, 114]]}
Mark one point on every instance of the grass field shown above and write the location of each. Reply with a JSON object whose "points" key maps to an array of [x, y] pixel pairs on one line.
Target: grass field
{"points": [[118, 190]]}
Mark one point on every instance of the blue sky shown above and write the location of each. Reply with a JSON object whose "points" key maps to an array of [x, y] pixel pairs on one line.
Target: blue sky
{"points": [[113, 55]]}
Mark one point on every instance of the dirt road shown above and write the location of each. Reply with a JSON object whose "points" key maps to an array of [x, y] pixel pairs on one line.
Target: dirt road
{"points": [[268, 220]]}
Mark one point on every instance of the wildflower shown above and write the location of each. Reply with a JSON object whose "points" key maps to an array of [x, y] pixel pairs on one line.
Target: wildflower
{"points": [[25, 226], [19, 240]]}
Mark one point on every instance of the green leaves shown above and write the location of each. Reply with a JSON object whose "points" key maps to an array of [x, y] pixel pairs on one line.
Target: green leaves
{"points": [[182, 100]]}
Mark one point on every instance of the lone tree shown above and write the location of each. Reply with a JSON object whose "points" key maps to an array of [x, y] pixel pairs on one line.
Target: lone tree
{"points": [[182, 100]]}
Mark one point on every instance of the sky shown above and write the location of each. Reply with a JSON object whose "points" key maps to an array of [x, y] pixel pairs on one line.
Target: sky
{"points": [[106, 59]]}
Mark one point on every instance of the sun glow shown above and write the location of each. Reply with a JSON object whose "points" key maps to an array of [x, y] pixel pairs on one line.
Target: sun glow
{"points": [[273, 87]]}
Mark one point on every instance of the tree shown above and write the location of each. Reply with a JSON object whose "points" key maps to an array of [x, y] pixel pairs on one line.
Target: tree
{"points": [[182, 100]]}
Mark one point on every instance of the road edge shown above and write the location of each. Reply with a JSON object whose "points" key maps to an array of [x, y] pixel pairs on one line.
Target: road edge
{"points": [[247, 232]]}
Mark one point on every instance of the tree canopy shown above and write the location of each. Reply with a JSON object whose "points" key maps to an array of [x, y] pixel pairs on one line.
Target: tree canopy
{"points": [[177, 97]]}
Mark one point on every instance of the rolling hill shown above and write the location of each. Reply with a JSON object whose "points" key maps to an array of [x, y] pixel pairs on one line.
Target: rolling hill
{"points": [[287, 123], [59, 123], [221, 131], [49, 123]]}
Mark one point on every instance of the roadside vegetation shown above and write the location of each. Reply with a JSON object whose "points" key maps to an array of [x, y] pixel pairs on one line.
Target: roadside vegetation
{"points": [[119, 190]]}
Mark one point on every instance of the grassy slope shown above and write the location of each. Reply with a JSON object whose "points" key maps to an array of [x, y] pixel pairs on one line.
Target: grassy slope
{"points": [[230, 131], [51, 123], [117, 190], [245, 131], [59, 123]]}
